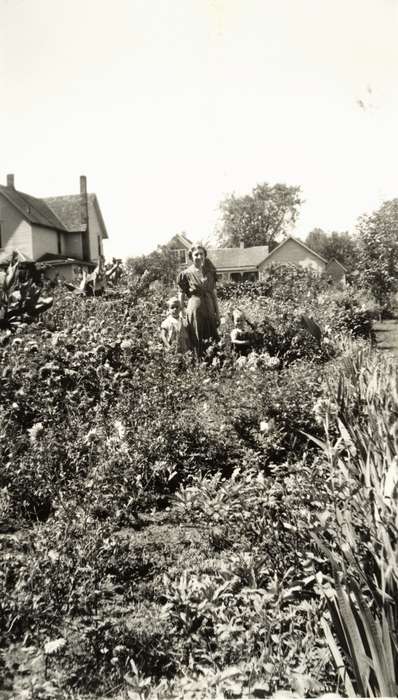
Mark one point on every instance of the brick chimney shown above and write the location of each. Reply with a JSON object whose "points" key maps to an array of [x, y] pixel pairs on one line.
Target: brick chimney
{"points": [[10, 181], [84, 217], [241, 243]]}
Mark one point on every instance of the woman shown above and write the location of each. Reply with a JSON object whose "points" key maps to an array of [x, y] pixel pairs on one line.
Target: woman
{"points": [[198, 284]]}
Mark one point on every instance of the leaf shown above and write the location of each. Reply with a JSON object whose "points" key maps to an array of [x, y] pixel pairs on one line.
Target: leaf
{"points": [[338, 659], [373, 635]]}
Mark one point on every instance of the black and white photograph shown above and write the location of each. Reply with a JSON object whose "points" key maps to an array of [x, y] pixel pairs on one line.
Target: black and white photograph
{"points": [[198, 349]]}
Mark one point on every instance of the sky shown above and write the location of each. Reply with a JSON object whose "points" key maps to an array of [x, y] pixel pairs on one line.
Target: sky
{"points": [[169, 106]]}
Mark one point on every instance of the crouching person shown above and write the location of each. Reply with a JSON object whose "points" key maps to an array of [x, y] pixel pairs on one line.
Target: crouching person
{"points": [[242, 339]]}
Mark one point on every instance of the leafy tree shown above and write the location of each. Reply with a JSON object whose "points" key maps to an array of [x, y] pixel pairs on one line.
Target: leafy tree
{"points": [[259, 217], [162, 264], [340, 246], [378, 255], [317, 241]]}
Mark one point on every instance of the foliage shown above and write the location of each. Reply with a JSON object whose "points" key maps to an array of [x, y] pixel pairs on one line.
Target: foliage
{"points": [[277, 306], [362, 594], [161, 265], [378, 260], [338, 245], [158, 515], [20, 302], [258, 218]]}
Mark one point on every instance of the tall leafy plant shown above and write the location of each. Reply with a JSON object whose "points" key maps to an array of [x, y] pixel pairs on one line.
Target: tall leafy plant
{"points": [[20, 302], [362, 595]]}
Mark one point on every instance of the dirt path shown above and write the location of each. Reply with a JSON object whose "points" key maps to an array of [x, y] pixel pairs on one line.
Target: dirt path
{"points": [[387, 335]]}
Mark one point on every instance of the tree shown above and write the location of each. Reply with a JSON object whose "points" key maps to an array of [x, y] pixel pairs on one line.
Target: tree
{"points": [[316, 240], [378, 252], [162, 264], [340, 246], [259, 217]]}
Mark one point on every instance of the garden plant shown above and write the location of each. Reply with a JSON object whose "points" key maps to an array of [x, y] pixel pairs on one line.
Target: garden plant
{"points": [[175, 529]]}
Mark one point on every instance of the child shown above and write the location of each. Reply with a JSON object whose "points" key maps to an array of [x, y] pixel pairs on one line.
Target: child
{"points": [[172, 329], [240, 338]]}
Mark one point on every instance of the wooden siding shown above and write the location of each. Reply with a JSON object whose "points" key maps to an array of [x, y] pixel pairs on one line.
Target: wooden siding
{"points": [[73, 245], [95, 231], [45, 240], [293, 253], [16, 231]]}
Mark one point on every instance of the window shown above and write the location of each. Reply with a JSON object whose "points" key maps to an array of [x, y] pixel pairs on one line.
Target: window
{"points": [[99, 245], [1, 235], [180, 254], [59, 243], [250, 276]]}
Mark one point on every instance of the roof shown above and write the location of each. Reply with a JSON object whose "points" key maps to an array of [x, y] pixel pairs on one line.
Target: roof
{"points": [[296, 240], [53, 260], [184, 240], [52, 257], [59, 213], [68, 209], [337, 263], [34, 210], [230, 258], [180, 239]]}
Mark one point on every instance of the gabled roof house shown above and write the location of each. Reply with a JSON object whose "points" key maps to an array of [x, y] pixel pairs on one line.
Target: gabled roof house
{"points": [[242, 264], [63, 233]]}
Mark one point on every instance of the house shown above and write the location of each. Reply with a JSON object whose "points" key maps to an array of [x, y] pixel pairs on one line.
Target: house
{"points": [[62, 234], [292, 251], [248, 264], [179, 246], [238, 264]]}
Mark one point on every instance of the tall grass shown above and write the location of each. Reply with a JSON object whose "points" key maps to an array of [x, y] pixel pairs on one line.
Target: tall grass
{"points": [[361, 622]]}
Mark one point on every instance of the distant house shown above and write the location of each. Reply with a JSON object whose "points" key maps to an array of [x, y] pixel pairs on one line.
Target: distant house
{"points": [[252, 263], [179, 246], [294, 252], [238, 264], [63, 233]]}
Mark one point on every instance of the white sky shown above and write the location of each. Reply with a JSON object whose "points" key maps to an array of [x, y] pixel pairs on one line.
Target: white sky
{"points": [[169, 105]]}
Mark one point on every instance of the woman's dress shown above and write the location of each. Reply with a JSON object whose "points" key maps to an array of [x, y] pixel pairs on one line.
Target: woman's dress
{"points": [[202, 314]]}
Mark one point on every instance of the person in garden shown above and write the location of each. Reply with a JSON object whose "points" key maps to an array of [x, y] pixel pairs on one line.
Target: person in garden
{"points": [[198, 287], [172, 329], [241, 338]]}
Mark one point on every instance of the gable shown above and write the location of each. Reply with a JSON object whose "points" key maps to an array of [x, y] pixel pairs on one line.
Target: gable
{"points": [[68, 209], [334, 264], [179, 242], [289, 244], [35, 211], [292, 251]]}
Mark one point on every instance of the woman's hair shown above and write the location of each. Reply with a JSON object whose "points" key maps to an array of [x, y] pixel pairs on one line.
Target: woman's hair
{"points": [[207, 265], [196, 246]]}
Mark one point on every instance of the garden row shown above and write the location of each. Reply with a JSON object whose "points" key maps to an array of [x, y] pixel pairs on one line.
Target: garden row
{"points": [[169, 510]]}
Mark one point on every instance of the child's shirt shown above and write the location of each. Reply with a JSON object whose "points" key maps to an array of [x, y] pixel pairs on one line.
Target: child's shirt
{"points": [[175, 333]]}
